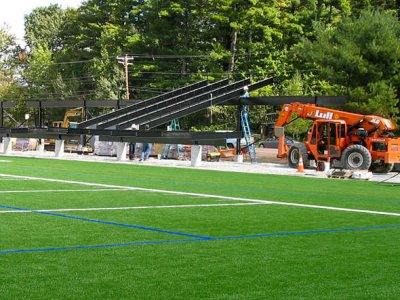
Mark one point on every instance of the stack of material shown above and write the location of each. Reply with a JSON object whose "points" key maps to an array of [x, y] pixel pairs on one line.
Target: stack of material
{"points": [[21, 144], [105, 148], [349, 174], [339, 173], [363, 175]]}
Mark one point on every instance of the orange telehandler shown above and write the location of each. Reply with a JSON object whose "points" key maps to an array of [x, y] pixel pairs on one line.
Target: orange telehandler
{"points": [[348, 140]]}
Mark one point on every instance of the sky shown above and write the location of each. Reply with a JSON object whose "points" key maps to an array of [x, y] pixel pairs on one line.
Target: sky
{"points": [[12, 13]]}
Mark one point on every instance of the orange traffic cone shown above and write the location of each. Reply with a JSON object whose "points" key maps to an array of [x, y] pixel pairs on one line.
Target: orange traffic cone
{"points": [[300, 166]]}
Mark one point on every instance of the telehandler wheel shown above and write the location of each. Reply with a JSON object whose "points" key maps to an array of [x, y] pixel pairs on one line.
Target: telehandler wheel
{"points": [[294, 155], [356, 157], [381, 167]]}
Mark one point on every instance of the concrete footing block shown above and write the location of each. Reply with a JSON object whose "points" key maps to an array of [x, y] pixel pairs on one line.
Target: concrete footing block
{"points": [[195, 157], [59, 148], [6, 145], [121, 151], [239, 158]]}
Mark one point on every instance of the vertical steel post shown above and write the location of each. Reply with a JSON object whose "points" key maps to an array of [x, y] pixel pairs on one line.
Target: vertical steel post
{"points": [[239, 128]]}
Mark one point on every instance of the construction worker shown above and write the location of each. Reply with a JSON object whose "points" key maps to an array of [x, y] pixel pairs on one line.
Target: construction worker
{"points": [[132, 151], [132, 146], [245, 92], [146, 150]]}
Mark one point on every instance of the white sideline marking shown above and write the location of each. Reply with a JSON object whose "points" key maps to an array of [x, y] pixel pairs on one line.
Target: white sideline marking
{"points": [[60, 191], [373, 212], [14, 179], [126, 208]]}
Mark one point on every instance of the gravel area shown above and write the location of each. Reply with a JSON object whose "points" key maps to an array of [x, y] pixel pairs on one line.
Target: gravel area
{"points": [[263, 167]]}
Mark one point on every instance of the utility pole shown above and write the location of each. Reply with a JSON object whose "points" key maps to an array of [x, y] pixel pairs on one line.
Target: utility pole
{"points": [[125, 60]]}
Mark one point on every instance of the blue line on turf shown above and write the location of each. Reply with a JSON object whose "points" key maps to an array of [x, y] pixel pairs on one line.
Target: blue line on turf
{"points": [[109, 222], [97, 246], [316, 231], [252, 236]]}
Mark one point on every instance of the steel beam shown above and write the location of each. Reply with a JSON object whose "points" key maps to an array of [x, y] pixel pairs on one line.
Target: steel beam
{"points": [[234, 92], [281, 100], [161, 105], [163, 137], [78, 103], [196, 101], [143, 103]]}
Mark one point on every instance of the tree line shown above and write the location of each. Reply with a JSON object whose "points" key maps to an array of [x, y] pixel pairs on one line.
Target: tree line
{"points": [[310, 47]]}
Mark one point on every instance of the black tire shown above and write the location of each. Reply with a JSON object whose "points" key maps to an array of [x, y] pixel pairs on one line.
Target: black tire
{"points": [[356, 157], [294, 155], [381, 167]]}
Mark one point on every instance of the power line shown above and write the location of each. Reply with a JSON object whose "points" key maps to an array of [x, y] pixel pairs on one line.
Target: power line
{"points": [[147, 56], [154, 56], [63, 95], [69, 62], [71, 79]]}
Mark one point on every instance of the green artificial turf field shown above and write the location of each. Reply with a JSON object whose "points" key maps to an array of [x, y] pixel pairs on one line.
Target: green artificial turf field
{"points": [[76, 230]]}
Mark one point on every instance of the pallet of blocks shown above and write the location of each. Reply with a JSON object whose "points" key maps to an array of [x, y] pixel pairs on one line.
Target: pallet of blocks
{"points": [[349, 174], [339, 173]]}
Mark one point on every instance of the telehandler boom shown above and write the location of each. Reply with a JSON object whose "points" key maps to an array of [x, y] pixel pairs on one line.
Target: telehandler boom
{"points": [[348, 140]]}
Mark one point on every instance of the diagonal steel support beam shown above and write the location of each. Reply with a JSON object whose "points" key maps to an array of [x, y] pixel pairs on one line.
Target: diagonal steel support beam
{"points": [[160, 105], [187, 103], [140, 104]]}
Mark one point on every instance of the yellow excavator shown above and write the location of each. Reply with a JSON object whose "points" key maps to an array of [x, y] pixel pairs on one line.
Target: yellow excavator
{"points": [[71, 146], [65, 123]]}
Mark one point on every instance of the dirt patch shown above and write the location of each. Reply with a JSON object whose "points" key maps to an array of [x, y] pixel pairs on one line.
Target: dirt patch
{"points": [[266, 155]]}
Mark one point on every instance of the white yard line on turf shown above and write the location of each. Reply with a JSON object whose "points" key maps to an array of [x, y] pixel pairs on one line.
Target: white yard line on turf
{"points": [[373, 212], [127, 208], [61, 191], [14, 179]]}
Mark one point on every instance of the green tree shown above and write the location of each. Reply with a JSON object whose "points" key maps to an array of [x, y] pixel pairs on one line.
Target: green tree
{"points": [[11, 87], [360, 56], [93, 37], [180, 41], [42, 34], [168, 44], [43, 26], [391, 6], [8, 50], [78, 48]]}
